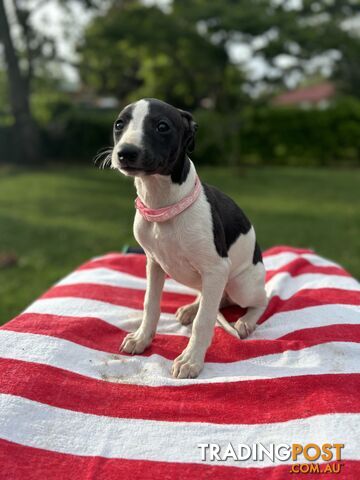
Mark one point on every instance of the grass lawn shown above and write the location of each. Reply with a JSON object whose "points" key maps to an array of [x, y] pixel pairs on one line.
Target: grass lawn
{"points": [[56, 218]]}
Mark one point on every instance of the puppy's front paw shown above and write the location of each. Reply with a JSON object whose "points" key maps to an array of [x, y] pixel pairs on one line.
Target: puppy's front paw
{"points": [[135, 342], [187, 365]]}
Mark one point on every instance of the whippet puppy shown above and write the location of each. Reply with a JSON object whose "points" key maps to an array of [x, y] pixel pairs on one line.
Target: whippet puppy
{"points": [[188, 230]]}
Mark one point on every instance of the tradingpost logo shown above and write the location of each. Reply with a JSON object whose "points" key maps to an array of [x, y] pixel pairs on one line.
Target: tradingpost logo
{"points": [[300, 457]]}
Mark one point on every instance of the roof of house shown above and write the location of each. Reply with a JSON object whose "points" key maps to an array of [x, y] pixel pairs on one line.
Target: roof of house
{"points": [[310, 94]]}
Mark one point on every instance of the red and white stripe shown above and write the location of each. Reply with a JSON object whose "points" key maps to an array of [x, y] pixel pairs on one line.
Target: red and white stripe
{"points": [[72, 406]]}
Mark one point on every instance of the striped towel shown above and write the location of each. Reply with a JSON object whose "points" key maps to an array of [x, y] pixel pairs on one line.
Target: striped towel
{"points": [[72, 407]]}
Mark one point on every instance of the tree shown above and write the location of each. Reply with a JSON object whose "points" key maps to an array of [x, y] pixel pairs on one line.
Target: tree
{"points": [[137, 51], [28, 142], [35, 48], [300, 32]]}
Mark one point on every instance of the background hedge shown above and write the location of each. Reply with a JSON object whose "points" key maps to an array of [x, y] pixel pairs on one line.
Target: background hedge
{"points": [[254, 135]]}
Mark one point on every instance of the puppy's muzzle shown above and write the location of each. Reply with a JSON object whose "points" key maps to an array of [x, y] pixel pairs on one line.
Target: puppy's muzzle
{"points": [[128, 156]]}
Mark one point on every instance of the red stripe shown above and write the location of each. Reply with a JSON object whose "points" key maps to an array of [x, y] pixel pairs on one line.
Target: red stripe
{"points": [[135, 264], [99, 335], [245, 402], [133, 298], [301, 266], [331, 333], [19, 462], [302, 299], [309, 298], [132, 264], [285, 249], [307, 395], [125, 297]]}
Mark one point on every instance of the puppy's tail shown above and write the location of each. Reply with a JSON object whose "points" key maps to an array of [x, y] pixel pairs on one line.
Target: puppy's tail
{"points": [[221, 320]]}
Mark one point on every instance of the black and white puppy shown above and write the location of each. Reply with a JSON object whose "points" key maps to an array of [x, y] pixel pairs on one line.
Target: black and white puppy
{"points": [[209, 246]]}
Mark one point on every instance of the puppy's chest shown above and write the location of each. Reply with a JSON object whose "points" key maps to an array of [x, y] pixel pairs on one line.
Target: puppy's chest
{"points": [[170, 246]]}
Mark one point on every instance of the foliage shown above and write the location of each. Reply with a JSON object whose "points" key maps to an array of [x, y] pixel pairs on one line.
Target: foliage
{"points": [[24, 60], [283, 136], [4, 100], [133, 50], [79, 134], [251, 135], [7, 134], [301, 31], [39, 50], [289, 136], [50, 106], [137, 51]]}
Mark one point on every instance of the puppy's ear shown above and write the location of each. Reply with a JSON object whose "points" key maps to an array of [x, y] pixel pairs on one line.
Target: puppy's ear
{"points": [[190, 129]]}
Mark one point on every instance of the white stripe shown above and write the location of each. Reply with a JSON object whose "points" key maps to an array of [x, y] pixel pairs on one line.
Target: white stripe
{"points": [[76, 433], [326, 358], [129, 319], [106, 276], [283, 323], [281, 284], [271, 262], [285, 286], [274, 262]]}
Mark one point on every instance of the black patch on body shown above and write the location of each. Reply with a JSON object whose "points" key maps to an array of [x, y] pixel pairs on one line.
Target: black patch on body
{"points": [[229, 221]]}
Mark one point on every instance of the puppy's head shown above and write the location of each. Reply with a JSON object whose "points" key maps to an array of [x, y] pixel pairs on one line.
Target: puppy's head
{"points": [[152, 137]]}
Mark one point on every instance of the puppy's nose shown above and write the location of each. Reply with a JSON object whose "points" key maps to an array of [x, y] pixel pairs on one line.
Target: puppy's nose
{"points": [[128, 153]]}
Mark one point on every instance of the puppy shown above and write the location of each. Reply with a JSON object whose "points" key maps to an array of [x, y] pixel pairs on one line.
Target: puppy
{"points": [[188, 230]]}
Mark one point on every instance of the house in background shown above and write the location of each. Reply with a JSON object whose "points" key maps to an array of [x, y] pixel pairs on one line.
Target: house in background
{"points": [[313, 96], [87, 98]]}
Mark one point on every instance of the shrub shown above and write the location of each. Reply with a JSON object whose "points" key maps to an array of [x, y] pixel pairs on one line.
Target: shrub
{"points": [[6, 143], [254, 135], [287, 136], [78, 134]]}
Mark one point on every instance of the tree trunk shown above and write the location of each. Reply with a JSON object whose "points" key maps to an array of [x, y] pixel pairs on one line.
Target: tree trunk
{"points": [[26, 132]]}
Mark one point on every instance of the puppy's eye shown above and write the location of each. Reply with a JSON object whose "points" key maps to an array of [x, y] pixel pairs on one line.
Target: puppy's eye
{"points": [[119, 125], [162, 127]]}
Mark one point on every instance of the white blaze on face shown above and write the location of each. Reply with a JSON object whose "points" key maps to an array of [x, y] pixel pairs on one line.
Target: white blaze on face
{"points": [[134, 131]]}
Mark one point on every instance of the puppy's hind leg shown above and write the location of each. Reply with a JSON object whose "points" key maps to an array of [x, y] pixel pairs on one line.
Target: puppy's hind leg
{"points": [[246, 324], [187, 313], [248, 291]]}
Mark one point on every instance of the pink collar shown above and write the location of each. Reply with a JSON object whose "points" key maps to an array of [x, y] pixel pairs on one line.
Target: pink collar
{"points": [[166, 213]]}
